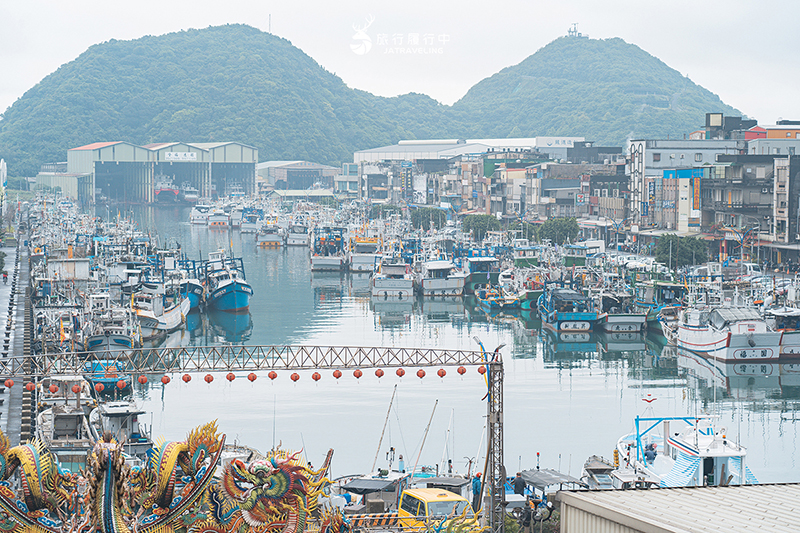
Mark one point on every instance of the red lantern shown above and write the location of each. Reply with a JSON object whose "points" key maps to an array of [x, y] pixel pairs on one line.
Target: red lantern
{"points": [[230, 376], [142, 379], [420, 373], [186, 378], [379, 373], [76, 388], [251, 376], [357, 373], [315, 376], [462, 370], [121, 384], [98, 387], [295, 376], [400, 372], [165, 379], [442, 372], [30, 387], [481, 370], [272, 374], [209, 378], [9, 383], [337, 373], [53, 388]]}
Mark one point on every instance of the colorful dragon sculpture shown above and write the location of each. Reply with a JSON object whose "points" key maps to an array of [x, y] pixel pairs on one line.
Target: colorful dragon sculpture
{"points": [[175, 490]]}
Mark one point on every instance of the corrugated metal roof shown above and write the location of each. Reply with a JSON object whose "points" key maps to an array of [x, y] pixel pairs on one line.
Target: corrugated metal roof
{"points": [[95, 146], [159, 146], [209, 146], [745, 508]]}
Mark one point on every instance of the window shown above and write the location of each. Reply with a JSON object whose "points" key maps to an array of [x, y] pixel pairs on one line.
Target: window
{"points": [[410, 505], [698, 157], [656, 157], [788, 133]]}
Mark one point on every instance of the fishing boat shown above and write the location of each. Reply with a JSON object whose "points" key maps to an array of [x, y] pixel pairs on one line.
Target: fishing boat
{"points": [[199, 214], [189, 194], [65, 431], [271, 233], [653, 295], [251, 220], [497, 299], [218, 218], [61, 389], [440, 277], [328, 250], [563, 309], [364, 254], [480, 271], [527, 255], [121, 419], [109, 327], [617, 313], [297, 234], [165, 190], [393, 280], [225, 283], [157, 312], [695, 453], [111, 375]]}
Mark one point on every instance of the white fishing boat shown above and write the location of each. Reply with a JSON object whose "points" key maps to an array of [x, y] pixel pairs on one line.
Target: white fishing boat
{"points": [[159, 314], [109, 327], [364, 254], [121, 419], [65, 432], [297, 234], [251, 221], [271, 233], [440, 277], [393, 280], [328, 250], [188, 193], [218, 219], [199, 214]]}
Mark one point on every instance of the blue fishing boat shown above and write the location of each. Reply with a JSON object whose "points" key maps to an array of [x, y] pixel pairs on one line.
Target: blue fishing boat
{"points": [[226, 287], [109, 373], [497, 299], [563, 309]]}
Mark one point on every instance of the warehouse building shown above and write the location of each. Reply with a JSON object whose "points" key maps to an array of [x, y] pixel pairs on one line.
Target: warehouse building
{"points": [[733, 509], [126, 172]]}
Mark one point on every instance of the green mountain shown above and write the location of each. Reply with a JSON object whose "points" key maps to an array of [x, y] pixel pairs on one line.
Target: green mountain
{"points": [[603, 89], [238, 83]]}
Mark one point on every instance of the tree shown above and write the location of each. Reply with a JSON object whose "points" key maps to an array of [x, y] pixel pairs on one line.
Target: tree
{"points": [[559, 230], [526, 230], [480, 225], [424, 216], [676, 251]]}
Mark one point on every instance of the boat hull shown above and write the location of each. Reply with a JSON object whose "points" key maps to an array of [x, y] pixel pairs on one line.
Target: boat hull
{"points": [[623, 322], [399, 289], [193, 290], [327, 263], [442, 287], [297, 239], [233, 296], [728, 347]]}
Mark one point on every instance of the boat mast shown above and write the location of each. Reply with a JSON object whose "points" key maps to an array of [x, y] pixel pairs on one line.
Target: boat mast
{"points": [[424, 437], [385, 422]]}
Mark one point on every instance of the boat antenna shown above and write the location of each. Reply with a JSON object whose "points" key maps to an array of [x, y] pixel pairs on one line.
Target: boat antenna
{"points": [[424, 437], [385, 422]]}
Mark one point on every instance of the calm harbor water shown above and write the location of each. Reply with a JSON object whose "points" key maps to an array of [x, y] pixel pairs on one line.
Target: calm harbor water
{"points": [[565, 400]]}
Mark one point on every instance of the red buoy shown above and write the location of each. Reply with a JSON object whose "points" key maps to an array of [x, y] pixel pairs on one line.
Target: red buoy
{"points": [[442, 372], [481, 370], [186, 378], [420, 373], [165, 379], [230, 376], [400, 372], [251, 376], [272, 374], [315, 376], [98, 387], [142, 379], [295, 376], [379, 373], [76, 388], [53, 388], [357, 373], [121, 384], [209, 378], [30, 386], [337, 373], [462, 370], [9, 383]]}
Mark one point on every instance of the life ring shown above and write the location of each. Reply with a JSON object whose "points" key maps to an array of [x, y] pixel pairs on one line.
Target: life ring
{"points": [[37, 250]]}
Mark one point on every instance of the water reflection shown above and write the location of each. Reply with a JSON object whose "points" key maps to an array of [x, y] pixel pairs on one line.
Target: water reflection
{"points": [[230, 327]]}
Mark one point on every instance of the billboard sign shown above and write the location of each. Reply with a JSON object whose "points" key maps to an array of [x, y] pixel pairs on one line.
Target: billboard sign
{"points": [[180, 156]]}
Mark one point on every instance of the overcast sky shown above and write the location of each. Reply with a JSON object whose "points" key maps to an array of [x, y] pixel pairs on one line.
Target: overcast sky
{"points": [[743, 50]]}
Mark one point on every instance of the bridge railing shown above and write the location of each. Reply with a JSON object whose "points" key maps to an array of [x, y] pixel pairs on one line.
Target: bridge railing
{"points": [[238, 358]]}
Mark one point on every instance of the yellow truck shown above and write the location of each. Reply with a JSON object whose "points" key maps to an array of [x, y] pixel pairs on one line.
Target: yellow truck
{"points": [[420, 509]]}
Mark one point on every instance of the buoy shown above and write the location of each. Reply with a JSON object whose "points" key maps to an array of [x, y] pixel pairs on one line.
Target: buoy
{"points": [[442, 372], [315, 376], [462, 370], [295, 376], [142, 379], [209, 378], [420, 373], [165, 379], [400, 372], [337, 373], [98, 387], [251, 376], [186, 378], [230, 376], [481, 370], [357, 373], [379, 373], [272, 374]]}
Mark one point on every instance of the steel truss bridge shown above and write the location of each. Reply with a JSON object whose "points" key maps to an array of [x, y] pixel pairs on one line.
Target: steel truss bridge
{"points": [[157, 362]]}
